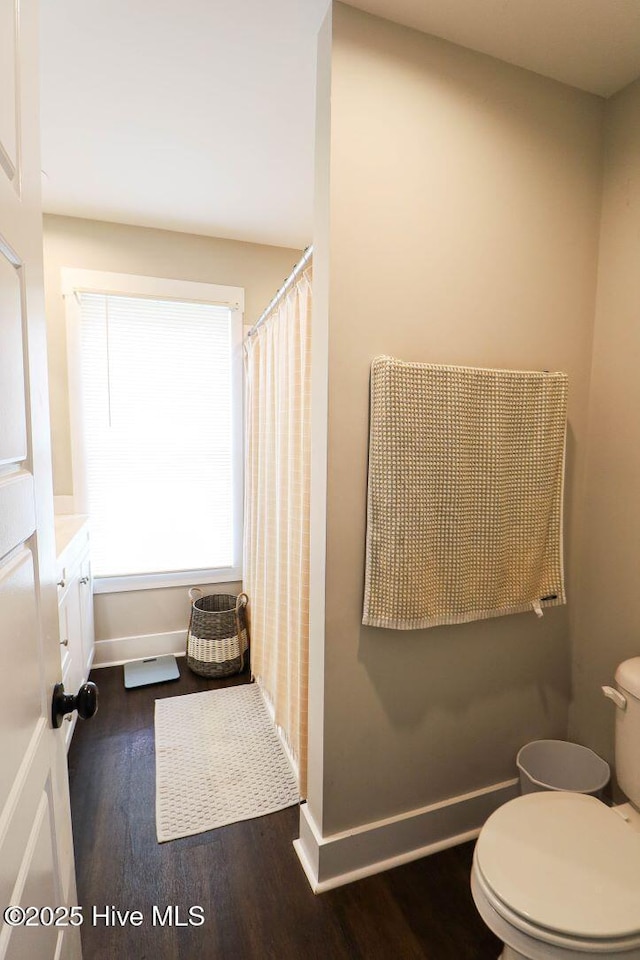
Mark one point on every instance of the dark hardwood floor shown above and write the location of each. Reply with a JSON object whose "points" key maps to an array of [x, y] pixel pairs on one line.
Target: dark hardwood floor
{"points": [[257, 902]]}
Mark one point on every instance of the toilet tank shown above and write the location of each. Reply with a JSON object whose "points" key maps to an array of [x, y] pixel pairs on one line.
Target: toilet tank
{"points": [[628, 730]]}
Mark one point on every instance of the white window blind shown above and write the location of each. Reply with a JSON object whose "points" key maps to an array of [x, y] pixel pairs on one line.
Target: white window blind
{"points": [[157, 412]]}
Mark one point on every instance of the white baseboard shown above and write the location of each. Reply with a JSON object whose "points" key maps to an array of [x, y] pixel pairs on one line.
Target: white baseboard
{"points": [[341, 858], [112, 653]]}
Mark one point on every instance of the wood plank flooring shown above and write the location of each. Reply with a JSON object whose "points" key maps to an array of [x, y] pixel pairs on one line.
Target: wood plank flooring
{"points": [[256, 899]]}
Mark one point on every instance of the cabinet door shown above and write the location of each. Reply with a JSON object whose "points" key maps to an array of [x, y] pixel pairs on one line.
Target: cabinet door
{"points": [[70, 648], [85, 586], [65, 653]]}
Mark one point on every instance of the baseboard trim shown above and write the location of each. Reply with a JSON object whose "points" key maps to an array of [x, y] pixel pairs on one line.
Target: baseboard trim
{"points": [[341, 858], [113, 653]]}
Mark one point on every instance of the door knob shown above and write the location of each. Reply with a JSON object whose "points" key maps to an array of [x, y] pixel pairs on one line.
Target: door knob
{"points": [[85, 702]]}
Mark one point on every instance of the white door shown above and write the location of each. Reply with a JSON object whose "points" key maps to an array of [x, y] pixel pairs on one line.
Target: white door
{"points": [[36, 851]]}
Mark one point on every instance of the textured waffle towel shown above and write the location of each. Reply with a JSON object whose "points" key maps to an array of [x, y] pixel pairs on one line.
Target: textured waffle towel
{"points": [[466, 470]]}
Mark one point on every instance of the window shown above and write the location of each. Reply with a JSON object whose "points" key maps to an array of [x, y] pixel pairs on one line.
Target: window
{"points": [[158, 378]]}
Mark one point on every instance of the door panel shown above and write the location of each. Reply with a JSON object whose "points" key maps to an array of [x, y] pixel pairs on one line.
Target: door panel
{"points": [[17, 510], [13, 431], [20, 708], [37, 890], [8, 111], [20, 811]]}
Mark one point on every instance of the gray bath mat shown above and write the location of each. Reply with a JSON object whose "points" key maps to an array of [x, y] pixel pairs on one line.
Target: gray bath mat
{"points": [[218, 760]]}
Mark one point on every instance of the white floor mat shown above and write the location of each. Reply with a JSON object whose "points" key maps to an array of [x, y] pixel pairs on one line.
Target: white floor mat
{"points": [[218, 760]]}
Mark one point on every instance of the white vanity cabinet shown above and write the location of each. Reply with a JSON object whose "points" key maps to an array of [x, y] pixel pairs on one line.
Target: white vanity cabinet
{"points": [[75, 606]]}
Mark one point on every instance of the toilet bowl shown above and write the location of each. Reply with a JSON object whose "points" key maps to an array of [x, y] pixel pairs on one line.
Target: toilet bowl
{"points": [[557, 875]]}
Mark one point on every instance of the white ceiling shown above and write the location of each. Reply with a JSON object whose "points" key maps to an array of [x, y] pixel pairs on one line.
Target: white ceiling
{"points": [[198, 115], [192, 115]]}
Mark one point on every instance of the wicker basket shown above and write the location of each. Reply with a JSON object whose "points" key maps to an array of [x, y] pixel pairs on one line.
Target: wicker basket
{"points": [[218, 638]]}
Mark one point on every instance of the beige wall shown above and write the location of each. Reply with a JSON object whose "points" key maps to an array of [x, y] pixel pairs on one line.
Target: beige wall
{"points": [[138, 613], [608, 626], [92, 245], [461, 226]]}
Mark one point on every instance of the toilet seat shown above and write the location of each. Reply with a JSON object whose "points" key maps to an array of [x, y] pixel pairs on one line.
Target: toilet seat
{"points": [[565, 869], [543, 935], [535, 948]]}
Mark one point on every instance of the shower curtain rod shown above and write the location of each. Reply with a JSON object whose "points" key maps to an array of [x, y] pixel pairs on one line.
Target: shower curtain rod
{"points": [[297, 270]]}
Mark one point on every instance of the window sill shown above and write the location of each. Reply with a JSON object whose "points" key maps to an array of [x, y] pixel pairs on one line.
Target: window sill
{"points": [[157, 581]]}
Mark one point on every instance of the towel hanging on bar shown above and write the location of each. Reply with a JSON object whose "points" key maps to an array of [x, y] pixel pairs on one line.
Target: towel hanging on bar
{"points": [[464, 512]]}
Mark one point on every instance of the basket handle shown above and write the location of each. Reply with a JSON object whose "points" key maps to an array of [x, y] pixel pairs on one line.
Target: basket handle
{"points": [[194, 594]]}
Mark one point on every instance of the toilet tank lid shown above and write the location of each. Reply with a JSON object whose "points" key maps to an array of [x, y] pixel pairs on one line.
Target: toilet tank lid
{"points": [[628, 676]]}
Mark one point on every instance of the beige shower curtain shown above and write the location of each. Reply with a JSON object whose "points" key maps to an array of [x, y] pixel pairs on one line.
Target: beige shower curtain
{"points": [[276, 532]]}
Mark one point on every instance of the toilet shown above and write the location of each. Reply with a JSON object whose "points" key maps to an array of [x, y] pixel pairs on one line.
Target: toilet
{"points": [[556, 875]]}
